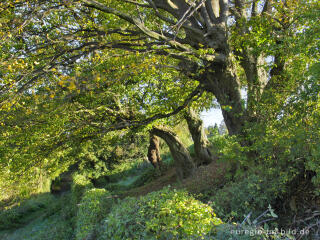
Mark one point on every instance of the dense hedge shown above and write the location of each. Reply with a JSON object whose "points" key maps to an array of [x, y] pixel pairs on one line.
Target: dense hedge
{"points": [[80, 184], [166, 214]]}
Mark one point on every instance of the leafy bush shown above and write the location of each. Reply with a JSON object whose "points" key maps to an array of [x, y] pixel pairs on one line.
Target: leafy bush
{"points": [[232, 159], [79, 185], [166, 214], [228, 149], [287, 138], [94, 205], [237, 199]]}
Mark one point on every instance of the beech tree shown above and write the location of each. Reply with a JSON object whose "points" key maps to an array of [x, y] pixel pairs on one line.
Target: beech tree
{"points": [[222, 45], [80, 69], [209, 38]]}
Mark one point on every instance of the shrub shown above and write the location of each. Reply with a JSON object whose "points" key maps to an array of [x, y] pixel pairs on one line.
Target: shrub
{"points": [[237, 199], [166, 214], [79, 185], [94, 205], [228, 149]]}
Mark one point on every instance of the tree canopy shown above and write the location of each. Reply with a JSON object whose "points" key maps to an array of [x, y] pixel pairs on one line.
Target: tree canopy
{"points": [[74, 71]]}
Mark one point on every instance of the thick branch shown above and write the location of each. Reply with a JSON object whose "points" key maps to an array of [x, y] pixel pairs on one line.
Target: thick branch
{"points": [[138, 23], [103, 8], [133, 124]]}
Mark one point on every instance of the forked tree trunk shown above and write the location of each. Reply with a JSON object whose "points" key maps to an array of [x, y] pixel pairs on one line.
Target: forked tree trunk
{"points": [[182, 159], [195, 125], [154, 151]]}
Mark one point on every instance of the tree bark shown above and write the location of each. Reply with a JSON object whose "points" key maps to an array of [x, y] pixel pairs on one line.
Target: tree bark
{"points": [[182, 159], [220, 80], [256, 78], [154, 152], [195, 125]]}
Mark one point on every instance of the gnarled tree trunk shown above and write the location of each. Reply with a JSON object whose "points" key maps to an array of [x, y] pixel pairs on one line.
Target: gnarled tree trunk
{"points": [[154, 151], [224, 84], [182, 159], [195, 125]]}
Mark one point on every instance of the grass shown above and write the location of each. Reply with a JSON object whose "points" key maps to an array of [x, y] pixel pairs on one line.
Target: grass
{"points": [[41, 228], [43, 216], [50, 217]]}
